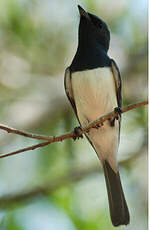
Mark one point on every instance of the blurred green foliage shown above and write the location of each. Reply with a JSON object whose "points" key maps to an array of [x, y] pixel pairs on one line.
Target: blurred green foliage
{"points": [[37, 42]]}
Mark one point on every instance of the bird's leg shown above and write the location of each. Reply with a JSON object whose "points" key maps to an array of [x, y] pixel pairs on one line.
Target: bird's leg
{"points": [[77, 131], [118, 111]]}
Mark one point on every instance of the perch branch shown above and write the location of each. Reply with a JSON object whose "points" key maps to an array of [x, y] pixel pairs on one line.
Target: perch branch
{"points": [[52, 139], [22, 133]]}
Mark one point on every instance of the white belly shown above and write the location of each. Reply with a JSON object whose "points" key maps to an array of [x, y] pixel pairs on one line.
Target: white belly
{"points": [[95, 95]]}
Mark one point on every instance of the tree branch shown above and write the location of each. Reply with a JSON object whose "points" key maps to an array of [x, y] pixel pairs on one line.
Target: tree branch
{"points": [[22, 133], [52, 139]]}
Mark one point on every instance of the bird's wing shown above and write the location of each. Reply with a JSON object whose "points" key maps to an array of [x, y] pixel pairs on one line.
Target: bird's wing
{"points": [[118, 84], [117, 78], [68, 89]]}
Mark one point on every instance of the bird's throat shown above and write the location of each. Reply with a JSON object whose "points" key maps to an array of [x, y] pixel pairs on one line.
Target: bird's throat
{"points": [[89, 55]]}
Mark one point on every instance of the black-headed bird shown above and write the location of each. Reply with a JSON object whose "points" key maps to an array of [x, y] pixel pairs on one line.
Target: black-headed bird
{"points": [[93, 87]]}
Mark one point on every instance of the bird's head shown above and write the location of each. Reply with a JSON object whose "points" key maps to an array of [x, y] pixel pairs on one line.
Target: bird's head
{"points": [[93, 29]]}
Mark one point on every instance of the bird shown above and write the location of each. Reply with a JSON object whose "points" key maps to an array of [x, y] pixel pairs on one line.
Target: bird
{"points": [[93, 86]]}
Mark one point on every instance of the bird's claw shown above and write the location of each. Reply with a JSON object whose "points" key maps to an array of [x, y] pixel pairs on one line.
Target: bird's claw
{"points": [[118, 111], [118, 116], [77, 131]]}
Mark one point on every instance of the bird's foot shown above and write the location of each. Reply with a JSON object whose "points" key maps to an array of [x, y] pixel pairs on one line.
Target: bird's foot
{"points": [[118, 111], [77, 131]]}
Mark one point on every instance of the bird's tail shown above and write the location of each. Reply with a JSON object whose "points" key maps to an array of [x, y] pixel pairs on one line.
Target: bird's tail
{"points": [[117, 204]]}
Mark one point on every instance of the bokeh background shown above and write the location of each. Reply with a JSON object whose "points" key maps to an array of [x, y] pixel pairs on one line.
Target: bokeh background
{"points": [[62, 186]]}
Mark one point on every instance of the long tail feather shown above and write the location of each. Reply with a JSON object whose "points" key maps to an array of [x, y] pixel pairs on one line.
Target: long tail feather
{"points": [[117, 203]]}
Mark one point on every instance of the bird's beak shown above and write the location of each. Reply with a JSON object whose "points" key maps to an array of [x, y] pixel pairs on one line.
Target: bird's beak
{"points": [[83, 12]]}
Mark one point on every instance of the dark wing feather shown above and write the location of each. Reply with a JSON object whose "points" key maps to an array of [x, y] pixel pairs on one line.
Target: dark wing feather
{"points": [[118, 84], [68, 89], [117, 78]]}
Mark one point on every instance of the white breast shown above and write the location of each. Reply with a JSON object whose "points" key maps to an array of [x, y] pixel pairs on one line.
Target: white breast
{"points": [[95, 95]]}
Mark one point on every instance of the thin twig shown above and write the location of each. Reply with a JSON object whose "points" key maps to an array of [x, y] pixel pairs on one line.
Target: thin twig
{"points": [[52, 139], [22, 133], [84, 129]]}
